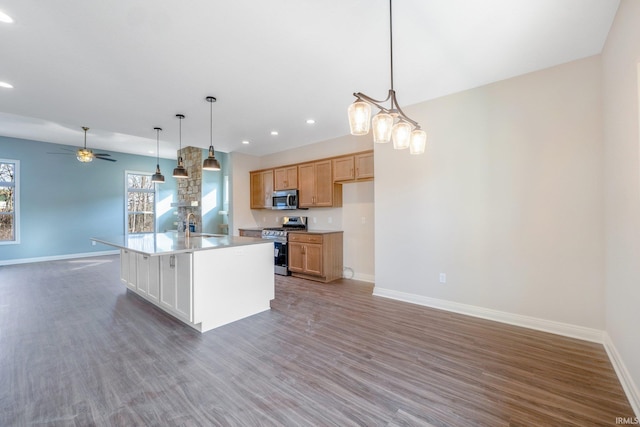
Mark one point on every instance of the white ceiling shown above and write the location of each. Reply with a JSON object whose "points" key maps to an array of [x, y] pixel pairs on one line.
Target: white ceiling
{"points": [[123, 67]]}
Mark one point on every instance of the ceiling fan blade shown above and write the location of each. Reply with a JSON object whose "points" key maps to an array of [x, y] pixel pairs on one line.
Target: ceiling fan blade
{"points": [[102, 155], [104, 158], [65, 154]]}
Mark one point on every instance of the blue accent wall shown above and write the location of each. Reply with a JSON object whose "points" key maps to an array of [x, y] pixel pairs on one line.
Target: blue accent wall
{"points": [[63, 203]]}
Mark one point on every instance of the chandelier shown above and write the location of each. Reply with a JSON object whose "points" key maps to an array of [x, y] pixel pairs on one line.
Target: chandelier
{"points": [[390, 124]]}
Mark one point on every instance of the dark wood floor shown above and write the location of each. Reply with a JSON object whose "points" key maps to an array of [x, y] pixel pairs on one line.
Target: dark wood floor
{"points": [[76, 349]]}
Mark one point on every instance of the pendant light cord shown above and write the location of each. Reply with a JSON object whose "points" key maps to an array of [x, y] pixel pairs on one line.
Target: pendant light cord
{"points": [[391, 40], [210, 123]]}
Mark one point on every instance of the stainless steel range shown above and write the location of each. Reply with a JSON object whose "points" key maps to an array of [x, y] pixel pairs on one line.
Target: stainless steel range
{"points": [[279, 237]]}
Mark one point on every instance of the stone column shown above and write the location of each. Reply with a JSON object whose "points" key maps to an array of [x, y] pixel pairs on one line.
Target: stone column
{"points": [[190, 189]]}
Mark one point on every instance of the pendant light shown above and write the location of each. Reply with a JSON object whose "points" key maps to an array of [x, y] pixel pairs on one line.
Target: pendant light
{"points": [[157, 177], [405, 133], [179, 171], [211, 163]]}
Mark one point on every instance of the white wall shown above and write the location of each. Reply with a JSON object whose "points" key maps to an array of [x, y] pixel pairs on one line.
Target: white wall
{"points": [[507, 201], [621, 80], [355, 217], [240, 215]]}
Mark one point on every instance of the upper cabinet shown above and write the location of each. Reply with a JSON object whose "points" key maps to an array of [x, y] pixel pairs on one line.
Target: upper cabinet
{"points": [[315, 183], [319, 182], [355, 167], [286, 178], [261, 189]]}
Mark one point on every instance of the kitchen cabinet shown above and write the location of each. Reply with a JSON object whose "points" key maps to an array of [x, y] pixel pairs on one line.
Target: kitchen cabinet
{"points": [[261, 183], [316, 187], [356, 167], [128, 268], [364, 165], [176, 285], [286, 178], [148, 276], [316, 255]]}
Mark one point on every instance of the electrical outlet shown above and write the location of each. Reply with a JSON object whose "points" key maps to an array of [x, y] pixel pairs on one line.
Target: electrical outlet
{"points": [[330, 220], [315, 220], [443, 278]]}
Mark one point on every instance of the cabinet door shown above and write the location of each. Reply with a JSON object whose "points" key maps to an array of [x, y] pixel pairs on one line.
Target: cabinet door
{"points": [[306, 184], [168, 281], [153, 292], [313, 259], [142, 282], [124, 266], [128, 269], [286, 178], [343, 169], [296, 260], [257, 192], [364, 165], [324, 184], [184, 288], [267, 188]]}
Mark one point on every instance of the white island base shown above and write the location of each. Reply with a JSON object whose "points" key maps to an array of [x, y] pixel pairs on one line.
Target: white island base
{"points": [[205, 288]]}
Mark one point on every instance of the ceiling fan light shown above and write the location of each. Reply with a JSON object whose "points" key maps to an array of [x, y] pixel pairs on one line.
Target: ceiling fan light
{"points": [[83, 155], [359, 117], [382, 124], [401, 135], [418, 142]]}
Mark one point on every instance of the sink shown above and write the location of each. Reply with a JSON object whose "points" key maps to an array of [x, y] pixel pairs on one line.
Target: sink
{"points": [[207, 235]]}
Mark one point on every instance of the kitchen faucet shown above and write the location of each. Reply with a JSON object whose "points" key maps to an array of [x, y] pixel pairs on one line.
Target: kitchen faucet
{"points": [[187, 227]]}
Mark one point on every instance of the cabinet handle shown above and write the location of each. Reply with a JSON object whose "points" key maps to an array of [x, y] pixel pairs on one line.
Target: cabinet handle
{"points": [[172, 261]]}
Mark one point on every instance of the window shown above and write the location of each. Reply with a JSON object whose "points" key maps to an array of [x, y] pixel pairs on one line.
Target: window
{"points": [[141, 197], [9, 201]]}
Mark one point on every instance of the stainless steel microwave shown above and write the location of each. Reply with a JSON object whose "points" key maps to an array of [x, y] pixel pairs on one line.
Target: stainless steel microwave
{"points": [[285, 199]]}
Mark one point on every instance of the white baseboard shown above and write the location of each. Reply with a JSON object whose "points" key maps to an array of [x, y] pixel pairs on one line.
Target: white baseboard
{"points": [[629, 386], [364, 277], [57, 257], [558, 328]]}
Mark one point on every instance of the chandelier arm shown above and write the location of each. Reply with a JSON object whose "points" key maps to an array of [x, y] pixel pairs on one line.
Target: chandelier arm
{"points": [[376, 102], [402, 114]]}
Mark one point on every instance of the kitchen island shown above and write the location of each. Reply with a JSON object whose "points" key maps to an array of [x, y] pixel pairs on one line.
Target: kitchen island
{"points": [[204, 280]]}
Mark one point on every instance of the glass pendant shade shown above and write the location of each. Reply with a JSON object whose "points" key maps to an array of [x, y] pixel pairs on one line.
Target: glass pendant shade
{"points": [[418, 141], [382, 124], [401, 135], [83, 155], [359, 118]]}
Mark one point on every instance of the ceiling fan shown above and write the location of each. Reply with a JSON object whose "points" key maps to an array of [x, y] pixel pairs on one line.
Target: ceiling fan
{"points": [[85, 155]]}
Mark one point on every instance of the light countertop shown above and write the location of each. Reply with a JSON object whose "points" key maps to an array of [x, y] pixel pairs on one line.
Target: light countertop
{"points": [[173, 242]]}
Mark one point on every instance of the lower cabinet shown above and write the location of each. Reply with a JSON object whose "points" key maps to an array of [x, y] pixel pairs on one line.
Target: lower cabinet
{"points": [[165, 280], [176, 285], [316, 256], [148, 276]]}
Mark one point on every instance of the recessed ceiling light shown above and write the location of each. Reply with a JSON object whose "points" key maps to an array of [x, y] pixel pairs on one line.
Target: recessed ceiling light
{"points": [[5, 18], [310, 121], [5, 84], [274, 132], [245, 142]]}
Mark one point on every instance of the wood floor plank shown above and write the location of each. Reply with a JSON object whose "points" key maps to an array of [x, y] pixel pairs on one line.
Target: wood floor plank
{"points": [[77, 349]]}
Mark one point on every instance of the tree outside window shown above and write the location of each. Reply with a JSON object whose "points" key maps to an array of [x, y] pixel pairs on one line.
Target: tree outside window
{"points": [[8, 201], [140, 203]]}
